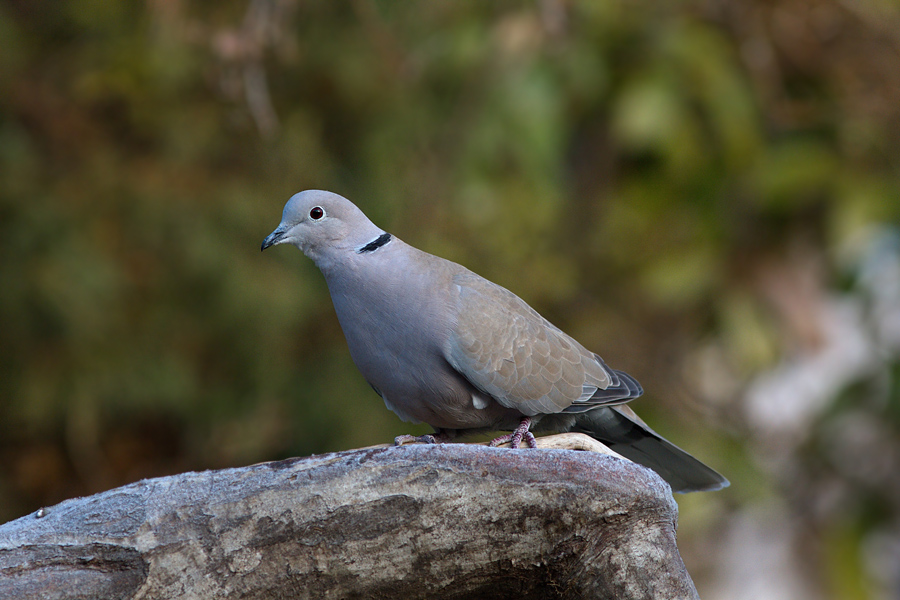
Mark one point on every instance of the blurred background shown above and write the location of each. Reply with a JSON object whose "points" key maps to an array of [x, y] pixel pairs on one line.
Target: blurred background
{"points": [[707, 193]]}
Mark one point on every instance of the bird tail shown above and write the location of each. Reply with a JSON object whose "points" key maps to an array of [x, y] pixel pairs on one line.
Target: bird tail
{"points": [[624, 432]]}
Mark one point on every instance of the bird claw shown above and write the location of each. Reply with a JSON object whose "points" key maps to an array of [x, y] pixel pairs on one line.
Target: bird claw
{"points": [[501, 440], [414, 439], [515, 438], [441, 436]]}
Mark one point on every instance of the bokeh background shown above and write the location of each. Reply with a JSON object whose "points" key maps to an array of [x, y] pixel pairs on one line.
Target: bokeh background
{"points": [[707, 193]]}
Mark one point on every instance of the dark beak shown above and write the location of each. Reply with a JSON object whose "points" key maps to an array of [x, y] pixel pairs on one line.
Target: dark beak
{"points": [[272, 239]]}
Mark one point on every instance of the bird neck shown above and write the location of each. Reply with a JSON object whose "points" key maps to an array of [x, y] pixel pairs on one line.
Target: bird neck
{"points": [[341, 254], [375, 244]]}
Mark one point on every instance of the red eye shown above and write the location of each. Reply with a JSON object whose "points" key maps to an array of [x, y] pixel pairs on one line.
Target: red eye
{"points": [[316, 213]]}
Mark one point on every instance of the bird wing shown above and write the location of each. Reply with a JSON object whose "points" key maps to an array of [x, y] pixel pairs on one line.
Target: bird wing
{"points": [[509, 351]]}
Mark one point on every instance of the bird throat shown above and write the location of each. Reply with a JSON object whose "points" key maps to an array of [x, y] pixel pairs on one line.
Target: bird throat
{"points": [[375, 244]]}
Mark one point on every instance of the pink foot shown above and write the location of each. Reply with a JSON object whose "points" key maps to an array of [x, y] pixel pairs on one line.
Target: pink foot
{"points": [[438, 437], [515, 438]]}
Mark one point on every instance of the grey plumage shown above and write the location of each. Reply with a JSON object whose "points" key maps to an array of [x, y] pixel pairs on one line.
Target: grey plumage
{"points": [[444, 346]]}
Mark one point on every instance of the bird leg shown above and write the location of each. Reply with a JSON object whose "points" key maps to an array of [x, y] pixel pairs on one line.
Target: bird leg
{"points": [[515, 438], [440, 436]]}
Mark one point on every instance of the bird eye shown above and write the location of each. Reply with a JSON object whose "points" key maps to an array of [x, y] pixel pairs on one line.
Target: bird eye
{"points": [[316, 213]]}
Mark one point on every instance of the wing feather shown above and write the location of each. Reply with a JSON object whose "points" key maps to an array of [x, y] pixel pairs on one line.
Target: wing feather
{"points": [[506, 349]]}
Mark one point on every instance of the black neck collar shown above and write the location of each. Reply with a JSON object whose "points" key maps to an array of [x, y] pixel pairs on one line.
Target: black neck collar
{"points": [[375, 244]]}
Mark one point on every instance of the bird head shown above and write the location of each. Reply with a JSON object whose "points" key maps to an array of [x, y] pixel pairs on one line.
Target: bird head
{"points": [[320, 224]]}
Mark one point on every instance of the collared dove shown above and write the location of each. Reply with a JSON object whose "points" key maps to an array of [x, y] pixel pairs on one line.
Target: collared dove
{"points": [[444, 346]]}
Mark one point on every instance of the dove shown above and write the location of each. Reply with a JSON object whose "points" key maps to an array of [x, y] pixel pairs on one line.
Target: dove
{"points": [[444, 346]]}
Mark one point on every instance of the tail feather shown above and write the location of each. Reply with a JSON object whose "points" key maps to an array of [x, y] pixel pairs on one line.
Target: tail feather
{"points": [[624, 432]]}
